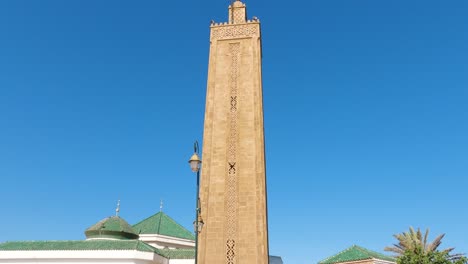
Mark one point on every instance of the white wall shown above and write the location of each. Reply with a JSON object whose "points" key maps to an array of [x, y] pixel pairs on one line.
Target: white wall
{"points": [[181, 261], [85, 256], [160, 241]]}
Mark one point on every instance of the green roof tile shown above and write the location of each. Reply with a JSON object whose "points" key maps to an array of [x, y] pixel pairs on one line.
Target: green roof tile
{"points": [[162, 224], [98, 244], [355, 253], [177, 253], [111, 227]]}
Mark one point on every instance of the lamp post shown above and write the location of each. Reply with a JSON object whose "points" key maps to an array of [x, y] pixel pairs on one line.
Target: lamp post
{"points": [[195, 163]]}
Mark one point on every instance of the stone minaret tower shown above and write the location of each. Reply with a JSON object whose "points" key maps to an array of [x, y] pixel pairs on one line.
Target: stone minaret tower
{"points": [[233, 191]]}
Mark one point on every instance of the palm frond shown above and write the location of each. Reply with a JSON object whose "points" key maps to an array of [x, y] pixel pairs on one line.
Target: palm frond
{"points": [[448, 250], [395, 249], [456, 257], [435, 244], [426, 235]]}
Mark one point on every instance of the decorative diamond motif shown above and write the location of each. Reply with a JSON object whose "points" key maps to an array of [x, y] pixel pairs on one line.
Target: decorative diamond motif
{"points": [[230, 251], [233, 103]]}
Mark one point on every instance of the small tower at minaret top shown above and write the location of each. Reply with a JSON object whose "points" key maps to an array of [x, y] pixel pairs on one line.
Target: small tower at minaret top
{"points": [[237, 13]]}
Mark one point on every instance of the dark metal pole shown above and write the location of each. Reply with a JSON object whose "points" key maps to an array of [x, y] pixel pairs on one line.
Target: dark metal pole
{"points": [[197, 206], [197, 217]]}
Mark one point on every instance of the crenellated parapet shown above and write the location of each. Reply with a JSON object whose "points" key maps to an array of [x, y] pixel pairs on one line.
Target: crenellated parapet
{"points": [[254, 20]]}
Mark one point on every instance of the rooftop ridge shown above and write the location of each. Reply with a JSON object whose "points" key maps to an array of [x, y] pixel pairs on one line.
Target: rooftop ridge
{"points": [[146, 219], [77, 245], [324, 260], [162, 224], [355, 253], [374, 254], [159, 224]]}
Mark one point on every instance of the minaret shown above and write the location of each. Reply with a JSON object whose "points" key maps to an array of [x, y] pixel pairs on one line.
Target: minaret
{"points": [[233, 191]]}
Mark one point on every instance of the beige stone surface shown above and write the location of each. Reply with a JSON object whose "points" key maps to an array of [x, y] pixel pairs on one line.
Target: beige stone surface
{"points": [[233, 193]]}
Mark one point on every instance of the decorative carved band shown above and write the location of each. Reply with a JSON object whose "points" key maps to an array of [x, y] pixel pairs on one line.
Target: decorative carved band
{"points": [[231, 181], [235, 31]]}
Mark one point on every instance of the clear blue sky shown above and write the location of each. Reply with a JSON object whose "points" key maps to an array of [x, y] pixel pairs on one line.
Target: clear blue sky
{"points": [[366, 117]]}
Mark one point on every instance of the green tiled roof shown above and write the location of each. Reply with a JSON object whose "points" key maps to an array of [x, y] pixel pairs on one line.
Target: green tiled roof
{"points": [[111, 227], [177, 253], [98, 244], [162, 224], [355, 253]]}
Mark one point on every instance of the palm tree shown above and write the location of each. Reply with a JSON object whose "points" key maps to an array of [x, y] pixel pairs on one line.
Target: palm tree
{"points": [[416, 242]]}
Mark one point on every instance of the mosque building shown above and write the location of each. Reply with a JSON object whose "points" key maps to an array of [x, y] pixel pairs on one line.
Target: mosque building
{"points": [[158, 239]]}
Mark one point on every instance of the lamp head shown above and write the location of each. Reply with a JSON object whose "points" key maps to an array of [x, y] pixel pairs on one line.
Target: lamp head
{"points": [[198, 226], [195, 162]]}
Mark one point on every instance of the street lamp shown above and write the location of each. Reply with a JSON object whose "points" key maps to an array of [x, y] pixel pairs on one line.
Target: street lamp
{"points": [[195, 163], [198, 226]]}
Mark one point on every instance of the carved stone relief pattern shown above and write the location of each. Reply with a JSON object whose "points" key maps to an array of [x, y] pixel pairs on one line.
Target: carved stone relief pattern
{"points": [[237, 31], [231, 182], [239, 15]]}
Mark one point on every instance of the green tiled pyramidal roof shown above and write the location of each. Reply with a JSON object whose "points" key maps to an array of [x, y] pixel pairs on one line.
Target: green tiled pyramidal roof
{"points": [[162, 224], [97, 244], [355, 253], [111, 227]]}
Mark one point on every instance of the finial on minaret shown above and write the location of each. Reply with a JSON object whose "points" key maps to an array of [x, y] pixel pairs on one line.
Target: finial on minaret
{"points": [[117, 210], [161, 206]]}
